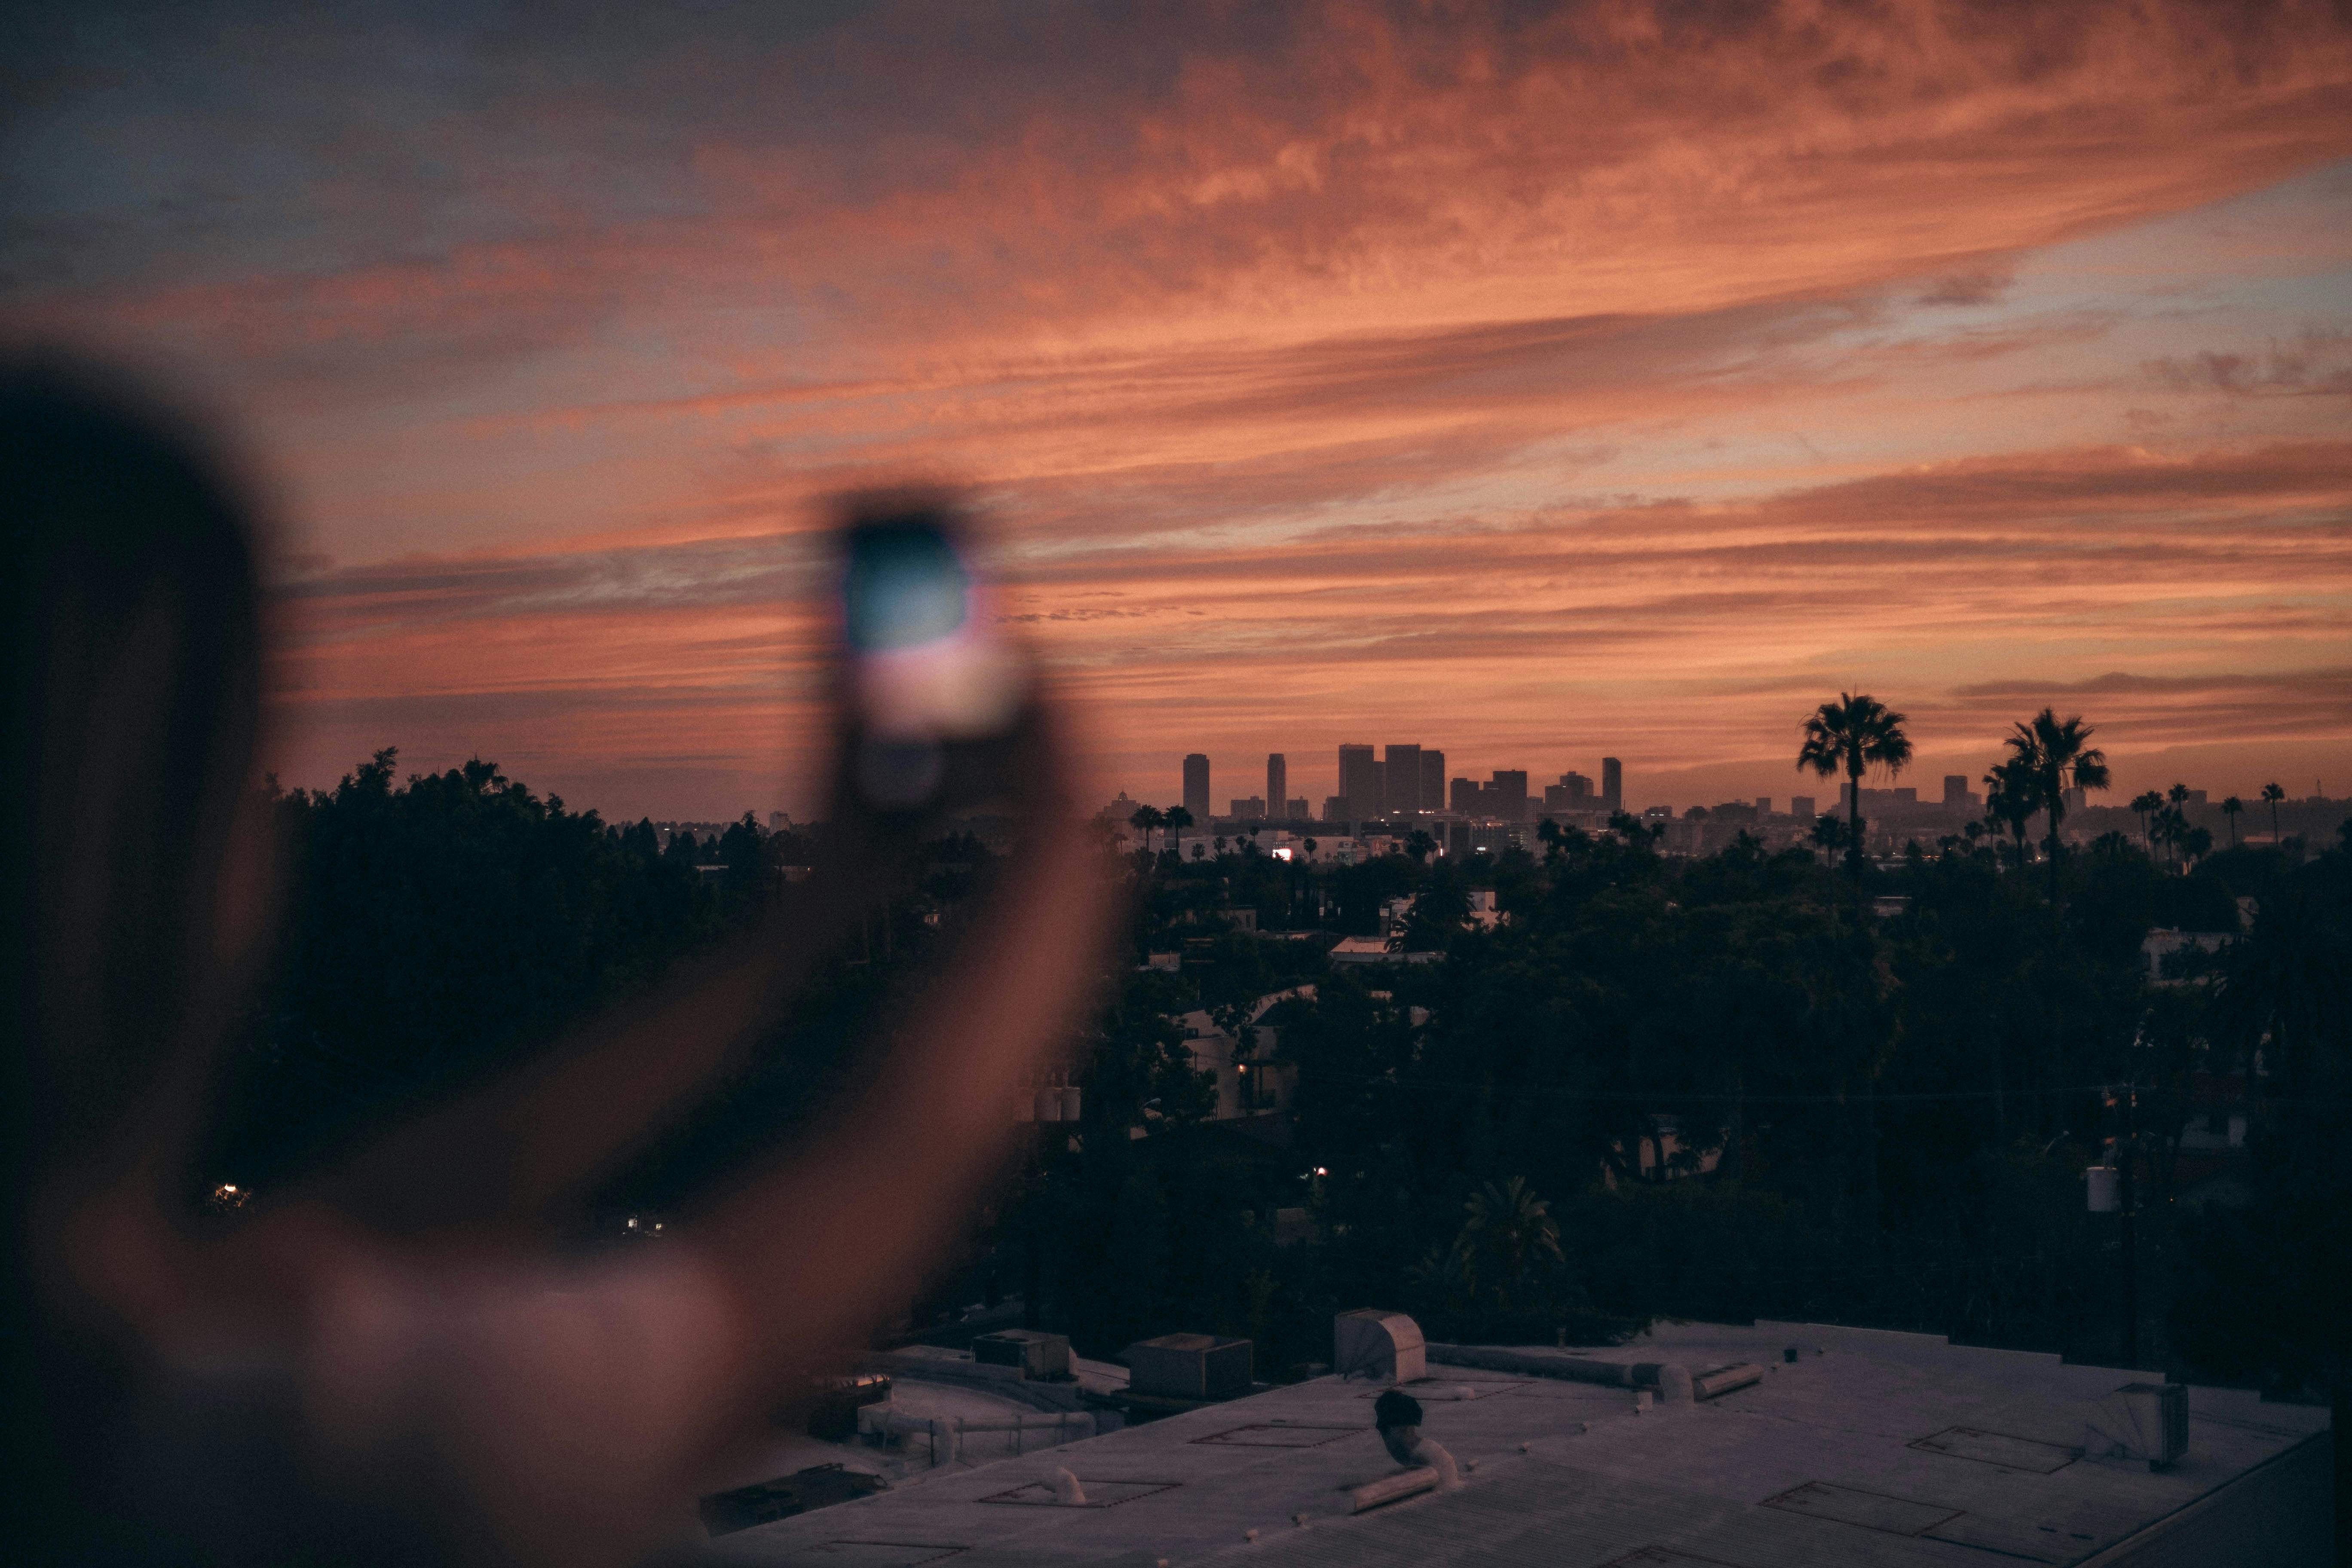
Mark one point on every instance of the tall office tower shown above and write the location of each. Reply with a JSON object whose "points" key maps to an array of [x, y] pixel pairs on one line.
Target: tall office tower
{"points": [[1956, 790], [1510, 800], [1433, 780], [1578, 787], [1278, 784], [1196, 788], [1763, 805], [1295, 809], [1613, 785], [1800, 807], [1360, 782], [1335, 807], [1402, 774], [1462, 795]]}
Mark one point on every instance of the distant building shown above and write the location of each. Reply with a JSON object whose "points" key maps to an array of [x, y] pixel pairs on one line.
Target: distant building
{"points": [[1509, 800], [1334, 809], [1463, 798], [1433, 780], [1277, 780], [1956, 790], [1360, 783], [1296, 810], [1196, 786], [2072, 799], [1251, 809], [1763, 805], [778, 821], [1613, 785], [1401, 780], [1800, 807]]}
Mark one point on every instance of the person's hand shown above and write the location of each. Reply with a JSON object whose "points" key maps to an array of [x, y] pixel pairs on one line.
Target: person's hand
{"points": [[388, 1363]]}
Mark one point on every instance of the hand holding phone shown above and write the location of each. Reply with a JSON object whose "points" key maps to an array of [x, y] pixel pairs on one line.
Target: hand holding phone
{"points": [[931, 681]]}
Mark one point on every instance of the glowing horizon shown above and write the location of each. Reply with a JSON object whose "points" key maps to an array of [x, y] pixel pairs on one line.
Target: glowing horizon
{"points": [[1620, 380]]}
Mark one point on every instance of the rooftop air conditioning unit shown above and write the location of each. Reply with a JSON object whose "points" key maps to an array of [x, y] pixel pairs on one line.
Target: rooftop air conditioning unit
{"points": [[1038, 1355], [1189, 1366], [2140, 1421]]}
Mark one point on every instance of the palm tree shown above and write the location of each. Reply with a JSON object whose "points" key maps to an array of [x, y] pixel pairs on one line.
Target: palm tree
{"points": [[1828, 833], [2271, 794], [1509, 1231], [2231, 806], [2050, 758], [1145, 818], [2179, 795], [1852, 735], [2010, 797], [2146, 803]]}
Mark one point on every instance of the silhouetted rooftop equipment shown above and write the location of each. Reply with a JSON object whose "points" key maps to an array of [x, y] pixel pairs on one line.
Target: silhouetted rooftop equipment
{"points": [[1038, 1355], [1189, 1366]]}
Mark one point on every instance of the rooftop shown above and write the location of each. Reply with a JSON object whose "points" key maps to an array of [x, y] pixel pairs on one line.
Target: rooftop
{"points": [[1869, 1448]]}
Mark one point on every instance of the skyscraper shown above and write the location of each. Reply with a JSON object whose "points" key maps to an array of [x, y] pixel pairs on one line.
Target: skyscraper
{"points": [[1433, 780], [1278, 784], [1360, 781], [1402, 775], [1196, 787], [1510, 800], [1956, 790], [1613, 785]]}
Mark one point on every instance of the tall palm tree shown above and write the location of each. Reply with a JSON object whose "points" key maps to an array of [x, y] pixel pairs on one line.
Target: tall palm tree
{"points": [[2271, 794], [2179, 797], [1144, 819], [2010, 797], [2146, 805], [2231, 806], [1851, 736], [1828, 833], [2051, 758]]}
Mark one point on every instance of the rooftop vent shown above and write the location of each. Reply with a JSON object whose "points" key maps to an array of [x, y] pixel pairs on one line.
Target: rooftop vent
{"points": [[1384, 1346], [2140, 1421]]}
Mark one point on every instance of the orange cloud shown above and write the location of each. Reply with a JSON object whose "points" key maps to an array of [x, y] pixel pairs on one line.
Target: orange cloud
{"points": [[1534, 380]]}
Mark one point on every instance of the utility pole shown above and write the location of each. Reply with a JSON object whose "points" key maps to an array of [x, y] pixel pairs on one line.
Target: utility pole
{"points": [[2128, 1149]]}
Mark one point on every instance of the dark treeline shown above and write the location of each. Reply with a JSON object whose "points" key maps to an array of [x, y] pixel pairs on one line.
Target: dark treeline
{"points": [[1716, 1088]]}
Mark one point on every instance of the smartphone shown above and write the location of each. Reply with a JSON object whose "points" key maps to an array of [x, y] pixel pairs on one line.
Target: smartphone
{"points": [[929, 675]]}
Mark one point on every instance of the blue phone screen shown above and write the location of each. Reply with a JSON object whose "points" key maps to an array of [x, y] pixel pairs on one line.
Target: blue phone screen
{"points": [[907, 587]]}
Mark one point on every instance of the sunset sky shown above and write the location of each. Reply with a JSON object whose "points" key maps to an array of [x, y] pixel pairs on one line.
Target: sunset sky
{"points": [[1531, 382]]}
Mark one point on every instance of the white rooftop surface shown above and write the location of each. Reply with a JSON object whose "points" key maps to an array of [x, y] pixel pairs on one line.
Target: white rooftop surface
{"points": [[1568, 1473]]}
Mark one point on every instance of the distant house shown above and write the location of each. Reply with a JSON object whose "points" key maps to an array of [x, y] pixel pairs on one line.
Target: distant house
{"points": [[1249, 1082], [2164, 948]]}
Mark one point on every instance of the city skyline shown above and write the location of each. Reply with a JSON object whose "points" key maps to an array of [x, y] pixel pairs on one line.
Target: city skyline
{"points": [[1513, 372], [1930, 780]]}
